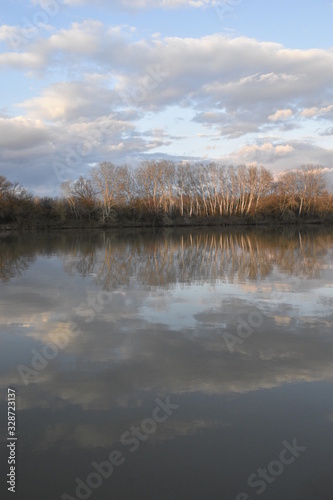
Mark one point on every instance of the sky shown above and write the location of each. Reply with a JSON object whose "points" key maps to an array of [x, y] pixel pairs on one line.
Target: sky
{"points": [[235, 81]]}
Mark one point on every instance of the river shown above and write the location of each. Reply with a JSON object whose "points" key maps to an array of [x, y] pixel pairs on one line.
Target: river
{"points": [[190, 364]]}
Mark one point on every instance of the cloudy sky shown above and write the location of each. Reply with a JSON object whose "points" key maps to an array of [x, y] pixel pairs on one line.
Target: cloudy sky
{"points": [[237, 81]]}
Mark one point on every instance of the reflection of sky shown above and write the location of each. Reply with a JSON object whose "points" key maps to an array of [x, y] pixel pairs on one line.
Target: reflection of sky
{"points": [[46, 298], [177, 308], [235, 409]]}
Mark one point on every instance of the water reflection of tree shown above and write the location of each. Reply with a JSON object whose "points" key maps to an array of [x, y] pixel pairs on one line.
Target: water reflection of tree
{"points": [[15, 257], [302, 254], [18, 251], [187, 256], [12, 265], [143, 258]]}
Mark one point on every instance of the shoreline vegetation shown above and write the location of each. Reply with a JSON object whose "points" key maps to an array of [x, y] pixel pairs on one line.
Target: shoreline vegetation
{"points": [[165, 194]]}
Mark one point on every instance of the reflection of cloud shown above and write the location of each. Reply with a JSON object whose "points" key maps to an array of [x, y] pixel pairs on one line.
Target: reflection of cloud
{"points": [[282, 320], [163, 333], [125, 362], [60, 331], [151, 326], [108, 435]]}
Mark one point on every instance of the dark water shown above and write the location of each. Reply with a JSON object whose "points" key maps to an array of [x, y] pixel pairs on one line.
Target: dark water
{"points": [[180, 364]]}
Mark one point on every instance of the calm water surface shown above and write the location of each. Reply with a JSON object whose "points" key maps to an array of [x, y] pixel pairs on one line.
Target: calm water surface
{"points": [[178, 364]]}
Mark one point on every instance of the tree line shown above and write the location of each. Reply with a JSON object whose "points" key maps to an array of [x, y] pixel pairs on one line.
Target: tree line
{"points": [[163, 191]]}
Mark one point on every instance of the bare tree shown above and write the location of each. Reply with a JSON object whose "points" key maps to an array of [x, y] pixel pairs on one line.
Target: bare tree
{"points": [[5, 187], [105, 183], [310, 185], [300, 189], [80, 196]]}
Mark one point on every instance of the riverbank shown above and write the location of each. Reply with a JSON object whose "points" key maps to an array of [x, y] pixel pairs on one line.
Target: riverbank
{"points": [[162, 221]]}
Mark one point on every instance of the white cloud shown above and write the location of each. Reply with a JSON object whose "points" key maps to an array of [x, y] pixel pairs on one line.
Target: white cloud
{"points": [[283, 150], [315, 111], [234, 87], [278, 156], [249, 149], [72, 101], [281, 114], [238, 72], [14, 36], [23, 60], [144, 4], [21, 133], [266, 153], [81, 39]]}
